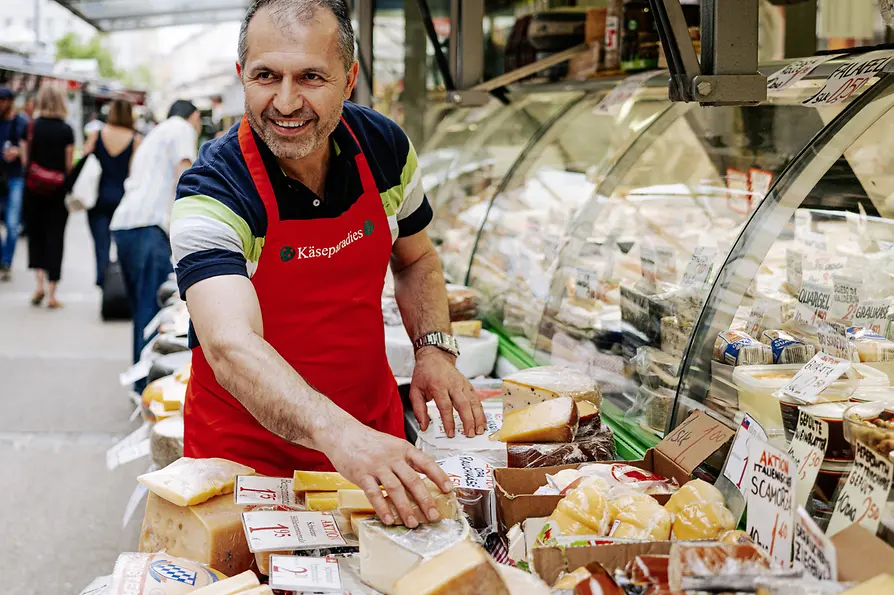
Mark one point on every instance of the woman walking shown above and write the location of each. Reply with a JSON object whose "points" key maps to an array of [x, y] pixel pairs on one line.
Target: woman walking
{"points": [[114, 147], [49, 150]]}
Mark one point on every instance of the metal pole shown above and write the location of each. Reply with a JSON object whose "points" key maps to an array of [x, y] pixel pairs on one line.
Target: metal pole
{"points": [[466, 42], [415, 69], [800, 30], [365, 10]]}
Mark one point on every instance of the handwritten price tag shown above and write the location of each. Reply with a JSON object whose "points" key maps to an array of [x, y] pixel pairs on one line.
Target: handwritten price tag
{"points": [[302, 574], [699, 268], [814, 552], [847, 79], [794, 72], [258, 490], [817, 297], [832, 338], [756, 317], [737, 459], [845, 296], [865, 492], [794, 269], [769, 495], [648, 264], [138, 371], [268, 531], [816, 375], [468, 472], [808, 448], [694, 440]]}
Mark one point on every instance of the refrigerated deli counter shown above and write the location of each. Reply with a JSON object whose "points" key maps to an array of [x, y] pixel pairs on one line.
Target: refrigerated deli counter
{"points": [[687, 257]]}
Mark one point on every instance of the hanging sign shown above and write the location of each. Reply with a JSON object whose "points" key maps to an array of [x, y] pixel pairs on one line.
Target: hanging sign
{"points": [[849, 78], [794, 72]]}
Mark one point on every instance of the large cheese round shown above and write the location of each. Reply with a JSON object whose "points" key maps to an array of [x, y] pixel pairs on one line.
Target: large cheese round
{"points": [[166, 443], [694, 492], [706, 520], [641, 518], [477, 355], [520, 582]]}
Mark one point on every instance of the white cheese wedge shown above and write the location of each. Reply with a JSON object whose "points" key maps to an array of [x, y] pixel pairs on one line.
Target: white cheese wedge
{"points": [[464, 569], [535, 385]]}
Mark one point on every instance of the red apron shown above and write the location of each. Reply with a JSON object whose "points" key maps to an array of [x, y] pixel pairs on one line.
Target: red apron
{"points": [[319, 283]]}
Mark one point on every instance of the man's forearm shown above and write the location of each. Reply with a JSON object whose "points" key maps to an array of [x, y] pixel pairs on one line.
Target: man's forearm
{"points": [[422, 296], [273, 392]]}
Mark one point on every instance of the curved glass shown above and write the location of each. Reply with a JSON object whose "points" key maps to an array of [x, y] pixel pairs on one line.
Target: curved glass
{"points": [[641, 253], [514, 263], [461, 201]]}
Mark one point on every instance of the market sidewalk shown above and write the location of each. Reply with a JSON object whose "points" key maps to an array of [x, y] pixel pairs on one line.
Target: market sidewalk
{"points": [[62, 409]]}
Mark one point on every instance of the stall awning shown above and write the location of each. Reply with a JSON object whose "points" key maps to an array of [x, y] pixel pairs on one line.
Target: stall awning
{"points": [[123, 15]]}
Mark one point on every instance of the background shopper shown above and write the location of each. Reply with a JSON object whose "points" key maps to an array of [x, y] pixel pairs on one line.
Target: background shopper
{"points": [[13, 129], [49, 152]]}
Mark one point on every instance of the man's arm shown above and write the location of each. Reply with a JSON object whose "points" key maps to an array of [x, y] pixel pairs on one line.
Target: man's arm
{"points": [[422, 298], [227, 318]]}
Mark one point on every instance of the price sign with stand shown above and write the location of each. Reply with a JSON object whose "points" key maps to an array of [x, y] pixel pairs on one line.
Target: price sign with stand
{"points": [[699, 268], [832, 337], [770, 494], [268, 531], [845, 296], [808, 448], [469, 472], [737, 460], [694, 440], [304, 574], [259, 490], [865, 492], [814, 552], [849, 78], [816, 375]]}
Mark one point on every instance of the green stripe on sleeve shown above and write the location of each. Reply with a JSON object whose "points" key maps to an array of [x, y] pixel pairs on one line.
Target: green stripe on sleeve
{"points": [[206, 206]]}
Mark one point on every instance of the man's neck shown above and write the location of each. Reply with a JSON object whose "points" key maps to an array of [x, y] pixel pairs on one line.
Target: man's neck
{"points": [[310, 170]]}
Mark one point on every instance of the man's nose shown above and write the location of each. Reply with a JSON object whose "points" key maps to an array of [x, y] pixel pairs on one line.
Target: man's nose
{"points": [[289, 99]]}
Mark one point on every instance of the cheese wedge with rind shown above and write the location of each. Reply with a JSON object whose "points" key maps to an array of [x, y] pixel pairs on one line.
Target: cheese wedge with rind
{"points": [[464, 569], [320, 481], [535, 385], [187, 482], [231, 586], [351, 502], [549, 421]]}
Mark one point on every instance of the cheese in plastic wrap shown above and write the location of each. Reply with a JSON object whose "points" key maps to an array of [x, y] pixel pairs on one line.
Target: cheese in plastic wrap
{"points": [[870, 346], [718, 567], [787, 349], [583, 511], [635, 515], [611, 475], [597, 447], [187, 481], [159, 574], [736, 348]]}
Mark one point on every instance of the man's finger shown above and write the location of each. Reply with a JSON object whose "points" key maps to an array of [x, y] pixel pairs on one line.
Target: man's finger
{"points": [[377, 499], [420, 410], [413, 484], [445, 406], [477, 410], [464, 408], [398, 497], [427, 466]]}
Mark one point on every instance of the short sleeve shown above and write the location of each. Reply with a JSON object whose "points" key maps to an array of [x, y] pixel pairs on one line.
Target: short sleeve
{"points": [[415, 212], [185, 144]]}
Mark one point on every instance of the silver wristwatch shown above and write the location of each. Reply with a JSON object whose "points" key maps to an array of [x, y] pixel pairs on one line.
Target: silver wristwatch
{"points": [[438, 339]]}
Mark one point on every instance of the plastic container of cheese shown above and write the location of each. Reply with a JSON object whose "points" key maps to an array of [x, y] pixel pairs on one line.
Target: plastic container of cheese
{"points": [[756, 386]]}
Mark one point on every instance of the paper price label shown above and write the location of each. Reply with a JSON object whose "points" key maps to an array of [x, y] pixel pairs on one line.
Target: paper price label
{"points": [[694, 440], [759, 181], [737, 459], [152, 326], [584, 284], [769, 494], [133, 503], [134, 446], [815, 377], [872, 314], [280, 530], [807, 450], [817, 297], [832, 338], [865, 492], [253, 490], [794, 72], [648, 263], [814, 552], [612, 32], [794, 268], [755, 318], [612, 103], [138, 371], [468, 472], [847, 79], [436, 435], [297, 573], [845, 297], [699, 268]]}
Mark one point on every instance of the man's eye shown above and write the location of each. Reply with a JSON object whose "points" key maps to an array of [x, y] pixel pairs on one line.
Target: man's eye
{"points": [[264, 76], [313, 77]]}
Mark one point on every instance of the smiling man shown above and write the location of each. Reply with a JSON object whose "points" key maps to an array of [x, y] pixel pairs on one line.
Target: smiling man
{"points": [[282, 234]]}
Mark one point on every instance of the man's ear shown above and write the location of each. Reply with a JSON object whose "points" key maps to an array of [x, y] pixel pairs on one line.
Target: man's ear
{"points": [[238, 70], [353, 72]]}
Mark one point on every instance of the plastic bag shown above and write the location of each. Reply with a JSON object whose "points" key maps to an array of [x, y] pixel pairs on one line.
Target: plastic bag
{"points": [[154, 574], [718, 567], [600, 446], [186, 481]]}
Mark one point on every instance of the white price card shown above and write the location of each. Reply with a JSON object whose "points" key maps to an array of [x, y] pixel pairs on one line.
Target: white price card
{"points": [[814, 552], [832, 338], [131, 448], [845, 296], [585, 282], [253, 490], [153, 325], [803, 222], [849, 78], [303, 574], [138, 371], [865, 492], [468, 472], [872, 314], [648, 263], [756, 317], [807, 449], [817, 297], [794, 269], [737, 460], [794, 72], [770, 494], [268, 531], [133, 503], [699, 268], [815, 377], [436, 435], [759, 181], [612, 103]]}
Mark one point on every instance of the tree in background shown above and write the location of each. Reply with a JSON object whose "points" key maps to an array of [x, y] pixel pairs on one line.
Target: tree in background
{"points": [[71, 47]]}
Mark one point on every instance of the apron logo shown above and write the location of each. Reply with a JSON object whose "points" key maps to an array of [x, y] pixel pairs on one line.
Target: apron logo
{"points": [[368, 227], [287, 253]]}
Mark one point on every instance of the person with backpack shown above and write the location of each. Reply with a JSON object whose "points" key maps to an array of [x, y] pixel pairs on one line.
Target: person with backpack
{"points": [[49, 150], [13, 128]]}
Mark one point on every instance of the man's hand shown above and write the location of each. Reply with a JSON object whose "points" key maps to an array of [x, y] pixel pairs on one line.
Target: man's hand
{"points": [[436, 378], [11, 154], [371, 459]]}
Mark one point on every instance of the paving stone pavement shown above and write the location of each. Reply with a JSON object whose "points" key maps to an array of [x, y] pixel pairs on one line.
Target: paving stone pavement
{"points": [[61, 408]]}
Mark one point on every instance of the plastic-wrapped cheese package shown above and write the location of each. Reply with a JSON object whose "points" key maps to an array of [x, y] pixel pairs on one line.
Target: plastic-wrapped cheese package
{"points": [[462, 302], [870, 346], [597, 447], [583, 511], [638, 516], [702, 521], [736, 348], [786, 348], [614, 474], [159, 574], [718, 567], [186, 482]]}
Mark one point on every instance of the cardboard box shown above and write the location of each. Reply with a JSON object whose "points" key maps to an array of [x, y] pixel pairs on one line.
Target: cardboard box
{"points": [[687, 446], [594, 27], [550, 562], [861, 555]]}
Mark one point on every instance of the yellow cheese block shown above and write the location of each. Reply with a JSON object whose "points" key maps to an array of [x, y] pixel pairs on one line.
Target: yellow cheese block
{"points": [[263, 559], [583, 511], [320, 481], [882, 583], [703, 520], [549, 421], [231, 586], [641, 518], [186, 481], [693, 492], [262, 590], [321, 501], [571, 579], [466, 328], [357, 518], [351, 502], [210, 533], [464, 569]]}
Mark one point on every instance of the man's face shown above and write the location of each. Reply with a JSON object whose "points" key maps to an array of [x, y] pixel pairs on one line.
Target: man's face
{"points": [[295, 82]]}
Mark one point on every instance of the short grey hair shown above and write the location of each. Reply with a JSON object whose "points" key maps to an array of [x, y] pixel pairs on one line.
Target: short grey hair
{"points": [[286, 12]]}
